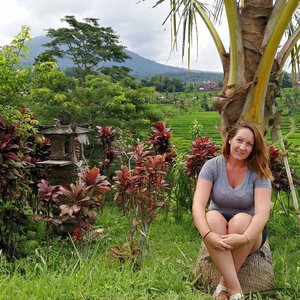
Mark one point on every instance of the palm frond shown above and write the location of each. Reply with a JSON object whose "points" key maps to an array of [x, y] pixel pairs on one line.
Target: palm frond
{"points": [[184, 15], [218, 10]]}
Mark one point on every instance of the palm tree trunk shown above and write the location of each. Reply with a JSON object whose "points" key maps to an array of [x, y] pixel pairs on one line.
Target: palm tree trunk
{"points": [[254, 17]]}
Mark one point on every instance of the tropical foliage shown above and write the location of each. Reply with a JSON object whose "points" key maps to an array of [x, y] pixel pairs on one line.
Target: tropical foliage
{"points": [[140, 192], [203, 149], [13, 80], [16, 172], [141, 188]]}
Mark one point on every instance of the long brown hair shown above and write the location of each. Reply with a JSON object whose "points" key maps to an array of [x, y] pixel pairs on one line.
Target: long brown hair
{"points": [[258, 160]]}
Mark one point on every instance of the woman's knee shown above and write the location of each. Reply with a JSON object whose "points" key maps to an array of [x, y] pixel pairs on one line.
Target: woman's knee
{"points": [[216, 222], [239, 223]]}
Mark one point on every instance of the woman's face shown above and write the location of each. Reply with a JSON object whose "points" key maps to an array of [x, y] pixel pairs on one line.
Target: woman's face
{"points": [[242, 144]]}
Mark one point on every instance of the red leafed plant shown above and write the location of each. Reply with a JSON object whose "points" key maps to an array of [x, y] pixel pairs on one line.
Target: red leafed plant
{"points": [[13, 188], [280, 182], [48, 196], [17, 183], [10, 160], [203, 149], [107, 136], [140, 193], [160, 141], [82, 200]]}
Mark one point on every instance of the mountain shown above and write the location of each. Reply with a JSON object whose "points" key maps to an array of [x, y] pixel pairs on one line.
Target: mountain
{"points": [[141, 67]]}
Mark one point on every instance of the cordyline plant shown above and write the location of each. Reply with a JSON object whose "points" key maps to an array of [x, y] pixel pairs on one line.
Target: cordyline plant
{"points": [[160, 141], [48, 196], [82, 201], [280, 182], [203, 149], [18, 179], [140, 193], [13, 188], [10, 157], [107, 136], [161, 144]]}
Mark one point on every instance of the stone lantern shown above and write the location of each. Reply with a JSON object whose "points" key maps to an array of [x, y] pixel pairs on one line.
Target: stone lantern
{"points": [[66, 151]]}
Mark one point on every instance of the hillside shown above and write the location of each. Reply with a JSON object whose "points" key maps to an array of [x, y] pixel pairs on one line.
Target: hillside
{"points": [[141, 67]]}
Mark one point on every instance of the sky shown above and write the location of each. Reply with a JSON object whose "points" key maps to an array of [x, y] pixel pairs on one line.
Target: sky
{"points": [[139, 27]]}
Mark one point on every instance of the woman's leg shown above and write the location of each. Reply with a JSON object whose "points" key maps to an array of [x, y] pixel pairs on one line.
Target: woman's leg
{"points": [[222, 259], [238, 224]]}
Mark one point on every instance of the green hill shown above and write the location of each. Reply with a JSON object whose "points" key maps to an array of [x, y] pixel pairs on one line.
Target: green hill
{"points": [[142, 68]]}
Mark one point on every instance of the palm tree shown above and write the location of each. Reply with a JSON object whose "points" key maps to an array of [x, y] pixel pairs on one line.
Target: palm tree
{"points": [[254, 64]]}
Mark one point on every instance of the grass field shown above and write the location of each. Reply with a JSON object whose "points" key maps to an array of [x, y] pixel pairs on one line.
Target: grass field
{"points": [[85, 271], [182, 128]]}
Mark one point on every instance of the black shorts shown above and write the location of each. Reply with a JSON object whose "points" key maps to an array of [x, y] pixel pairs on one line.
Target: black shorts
{"points": [[264, 232]]}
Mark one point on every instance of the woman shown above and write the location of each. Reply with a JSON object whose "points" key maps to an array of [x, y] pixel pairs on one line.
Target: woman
{"points": [[238, 183]]}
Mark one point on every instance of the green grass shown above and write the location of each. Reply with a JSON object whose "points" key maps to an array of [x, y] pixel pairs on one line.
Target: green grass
{"points": [[182, 127], [86, 271]]}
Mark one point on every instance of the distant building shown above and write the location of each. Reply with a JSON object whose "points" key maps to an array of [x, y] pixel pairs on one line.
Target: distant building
{"points": [[209, 86]]}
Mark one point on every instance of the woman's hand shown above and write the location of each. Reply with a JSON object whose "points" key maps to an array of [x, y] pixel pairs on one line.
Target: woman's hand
{"points": [[235, 240], [216, 241]]}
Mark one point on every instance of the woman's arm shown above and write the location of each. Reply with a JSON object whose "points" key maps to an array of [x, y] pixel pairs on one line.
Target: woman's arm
{"points": [[262, 204], [200, 199]]}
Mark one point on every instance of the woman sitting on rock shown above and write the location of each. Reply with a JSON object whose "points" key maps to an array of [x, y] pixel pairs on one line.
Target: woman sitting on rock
{"points": [[238, 185]]}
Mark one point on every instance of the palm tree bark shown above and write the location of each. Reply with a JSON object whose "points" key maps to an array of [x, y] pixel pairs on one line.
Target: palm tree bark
{"points": [[253, 18]]}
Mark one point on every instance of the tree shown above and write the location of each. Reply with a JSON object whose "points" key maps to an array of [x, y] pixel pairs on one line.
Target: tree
{"points": [[49, 91], [14, 80], [116, 73], [86, 44], [254, 65], [286, 80], [165, 84], [121, 104]]}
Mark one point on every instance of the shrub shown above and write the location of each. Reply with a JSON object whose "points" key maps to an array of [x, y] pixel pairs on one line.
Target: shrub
{"points": [[203, 149], [140, 193], [107, 136], [160, 141], [82, 200], [14, 184]]}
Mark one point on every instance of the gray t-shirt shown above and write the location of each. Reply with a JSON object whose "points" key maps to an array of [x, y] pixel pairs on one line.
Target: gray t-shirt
{"points": [[224, 198]]}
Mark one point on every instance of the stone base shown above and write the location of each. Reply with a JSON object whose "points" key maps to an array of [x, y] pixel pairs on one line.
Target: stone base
{"points": [[62, 175], [256, 274]]}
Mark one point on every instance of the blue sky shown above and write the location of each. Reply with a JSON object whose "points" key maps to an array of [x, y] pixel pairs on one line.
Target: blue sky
{"points": [[138, 25]]}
